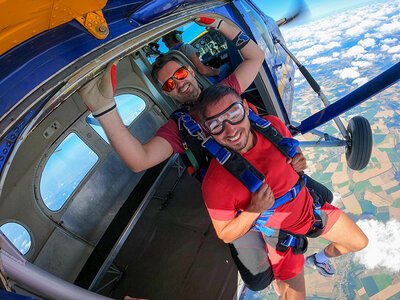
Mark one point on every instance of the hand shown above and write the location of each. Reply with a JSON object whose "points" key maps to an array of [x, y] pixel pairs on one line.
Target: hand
{"points": [[261, 200], [98, 94], [209, 22], [298, 162]]}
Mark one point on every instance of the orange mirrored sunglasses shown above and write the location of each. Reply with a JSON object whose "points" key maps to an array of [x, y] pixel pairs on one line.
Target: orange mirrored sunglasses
{"points": [[179, 74]]}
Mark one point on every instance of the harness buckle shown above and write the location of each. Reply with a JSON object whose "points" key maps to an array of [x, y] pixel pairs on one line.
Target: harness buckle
{"points": [[191, 126], [293, 192], [288, 241]]}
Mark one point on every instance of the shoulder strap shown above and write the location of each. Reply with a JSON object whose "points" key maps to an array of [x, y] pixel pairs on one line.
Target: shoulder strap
{"points": [[287, 146], [196, 158]]}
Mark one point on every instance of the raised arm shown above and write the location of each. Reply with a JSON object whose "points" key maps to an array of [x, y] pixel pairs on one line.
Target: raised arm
{"points": [[98, 95], [202, 68], [252, 54], [261, 200]]}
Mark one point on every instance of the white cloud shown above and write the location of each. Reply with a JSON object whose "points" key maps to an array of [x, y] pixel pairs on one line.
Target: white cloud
{"points": [[396, 57], [360, 81], [385, 47], [367, 42], [347, 73], [316, 49], [301, 44], [298, 82], [322, 60], [335, 54], [390, 28], [395, 49], [389, 41], [354, 51], [369, 56], [361, 64], [383, 250]]}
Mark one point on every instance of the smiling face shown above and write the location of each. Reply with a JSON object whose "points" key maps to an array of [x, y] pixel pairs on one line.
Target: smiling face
{"points": [[237, 137], [186, 89]]}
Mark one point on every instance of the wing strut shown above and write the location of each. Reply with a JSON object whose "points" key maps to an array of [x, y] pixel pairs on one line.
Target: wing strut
{"points": [[315, 86]]}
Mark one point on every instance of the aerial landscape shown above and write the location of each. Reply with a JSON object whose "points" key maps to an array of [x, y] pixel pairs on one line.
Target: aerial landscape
{"points": [[342, 52]]}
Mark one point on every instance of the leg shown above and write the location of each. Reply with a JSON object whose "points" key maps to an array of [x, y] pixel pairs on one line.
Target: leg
{"points": [[288, 271], [251, 258], [293, 288], [345, 236]]}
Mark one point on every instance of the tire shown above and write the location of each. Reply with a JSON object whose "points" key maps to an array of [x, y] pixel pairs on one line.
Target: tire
{"points": [[358, 151]]}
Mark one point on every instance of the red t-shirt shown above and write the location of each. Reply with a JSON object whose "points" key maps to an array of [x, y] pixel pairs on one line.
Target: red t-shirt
{"points": [[223, 194], [169, 131]]}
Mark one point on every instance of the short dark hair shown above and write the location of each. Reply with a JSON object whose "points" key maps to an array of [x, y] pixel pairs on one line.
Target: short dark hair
{"points": [[160, 62], [212, 94]]}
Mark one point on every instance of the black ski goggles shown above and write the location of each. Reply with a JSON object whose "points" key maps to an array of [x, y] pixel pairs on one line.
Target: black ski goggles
{"points": [[234, 114]]}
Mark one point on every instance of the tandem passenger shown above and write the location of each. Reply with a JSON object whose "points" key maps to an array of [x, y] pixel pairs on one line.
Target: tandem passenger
{"points": [[237, 214]]}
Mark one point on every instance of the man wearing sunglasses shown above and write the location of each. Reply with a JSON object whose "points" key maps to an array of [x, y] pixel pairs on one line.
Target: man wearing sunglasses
{"points": [[235, 210], [178, 82]]}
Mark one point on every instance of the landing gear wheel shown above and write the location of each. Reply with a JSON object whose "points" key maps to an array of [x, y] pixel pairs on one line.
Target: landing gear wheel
{"points": [[358, 151]]}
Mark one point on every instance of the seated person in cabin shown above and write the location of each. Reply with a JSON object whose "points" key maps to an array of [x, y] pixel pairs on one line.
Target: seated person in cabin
{"points": [[284, 217], [178, 82], [174, 41]]}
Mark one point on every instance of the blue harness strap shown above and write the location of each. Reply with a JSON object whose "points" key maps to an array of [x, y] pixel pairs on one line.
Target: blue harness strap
{"points": [[287, 146], [220, 153], [290, 195]]}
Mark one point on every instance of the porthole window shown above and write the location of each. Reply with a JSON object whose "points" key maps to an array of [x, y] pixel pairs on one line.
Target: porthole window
{"points": [[129, 107], [65, 169], [18, 235]]}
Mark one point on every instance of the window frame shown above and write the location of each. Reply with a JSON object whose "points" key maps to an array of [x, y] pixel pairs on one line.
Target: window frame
{"points": [[31, 250], [43, 162]]}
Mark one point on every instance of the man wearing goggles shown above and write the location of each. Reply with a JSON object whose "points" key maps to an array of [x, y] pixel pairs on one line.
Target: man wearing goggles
{"points": [[225, 117]]}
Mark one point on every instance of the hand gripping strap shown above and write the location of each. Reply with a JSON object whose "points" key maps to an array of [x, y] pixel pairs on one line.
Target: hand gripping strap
{"points": [[290, 195]]}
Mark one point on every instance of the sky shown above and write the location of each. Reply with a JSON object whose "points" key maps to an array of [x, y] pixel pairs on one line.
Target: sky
{"points": [[317, 8]]}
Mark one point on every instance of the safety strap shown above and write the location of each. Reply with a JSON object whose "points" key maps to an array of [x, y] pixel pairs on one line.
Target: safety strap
{"points": [[290, 195], [287, 146], [233, 162]]}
